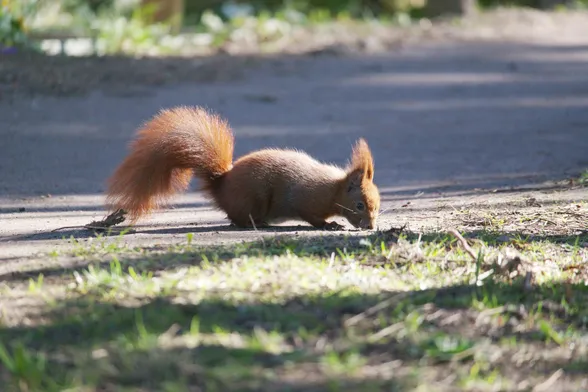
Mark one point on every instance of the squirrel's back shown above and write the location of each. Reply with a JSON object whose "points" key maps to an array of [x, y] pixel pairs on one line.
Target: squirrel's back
{"points": [[277, 184]]}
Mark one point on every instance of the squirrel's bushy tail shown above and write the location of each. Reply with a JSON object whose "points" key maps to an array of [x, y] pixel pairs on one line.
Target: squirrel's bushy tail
{"points": [[168, 150]]}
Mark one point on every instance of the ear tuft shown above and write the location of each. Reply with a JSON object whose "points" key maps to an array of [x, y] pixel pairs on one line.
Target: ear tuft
{"points": [[361, 159]]}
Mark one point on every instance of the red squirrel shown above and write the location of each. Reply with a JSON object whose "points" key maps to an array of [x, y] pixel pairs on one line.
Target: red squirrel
{"points": [[260, 188]]}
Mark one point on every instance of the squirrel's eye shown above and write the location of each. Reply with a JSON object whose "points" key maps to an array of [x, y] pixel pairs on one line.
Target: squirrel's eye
{"points": [[360, 206]]}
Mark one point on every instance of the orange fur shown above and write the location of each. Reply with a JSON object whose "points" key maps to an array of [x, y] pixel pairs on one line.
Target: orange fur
{"points": [[262, 187], [361, 159], [168, 150]]}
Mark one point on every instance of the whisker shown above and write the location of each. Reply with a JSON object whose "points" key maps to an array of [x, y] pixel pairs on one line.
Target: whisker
{"points": [[345, 208], [384, 210]]}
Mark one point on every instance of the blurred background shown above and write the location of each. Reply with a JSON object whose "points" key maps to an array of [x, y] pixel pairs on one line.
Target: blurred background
{"points": [[437, 112], [152, 27]]}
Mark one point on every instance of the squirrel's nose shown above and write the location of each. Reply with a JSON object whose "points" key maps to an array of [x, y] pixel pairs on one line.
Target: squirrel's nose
{"points": [[366, 224]]}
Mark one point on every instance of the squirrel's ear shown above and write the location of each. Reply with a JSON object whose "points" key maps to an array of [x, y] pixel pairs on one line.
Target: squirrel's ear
{"points": [[361, 159], [354, 179]]}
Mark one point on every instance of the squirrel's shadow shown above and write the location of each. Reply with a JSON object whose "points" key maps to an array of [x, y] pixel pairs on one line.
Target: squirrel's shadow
{"points": [[81, 233], [227, 228]]}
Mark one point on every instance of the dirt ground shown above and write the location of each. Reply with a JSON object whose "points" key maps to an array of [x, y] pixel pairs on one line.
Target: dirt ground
{"points": [[486, 114]]}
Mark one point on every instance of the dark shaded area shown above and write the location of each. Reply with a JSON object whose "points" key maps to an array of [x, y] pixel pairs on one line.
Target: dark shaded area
{"points": [[83, 324], [86, 321]]}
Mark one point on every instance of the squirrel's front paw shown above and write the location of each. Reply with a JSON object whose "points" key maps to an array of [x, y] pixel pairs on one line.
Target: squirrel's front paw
{"points": [[333, 226]]}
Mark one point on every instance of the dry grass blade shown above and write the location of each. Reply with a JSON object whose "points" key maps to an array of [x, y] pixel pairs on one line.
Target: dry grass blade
{"points": [[547, 384], [374, 309], [385, 332], [255, 229], [528, 283], [396, 230], [464, 244]]}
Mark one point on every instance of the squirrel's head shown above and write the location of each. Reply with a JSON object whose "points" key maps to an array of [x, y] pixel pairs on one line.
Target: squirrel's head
{"points": [[360, 199]]}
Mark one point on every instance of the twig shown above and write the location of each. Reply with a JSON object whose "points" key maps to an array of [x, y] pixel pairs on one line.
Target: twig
{"points": [[111, 220], [255, 228], [464, 354], [463, 243], [385, 332], [331, 261], [528, 282], [374, 309], [547, 384], [546, 220], [489, 312], [396, 230], [577, 215], [68, 227]]}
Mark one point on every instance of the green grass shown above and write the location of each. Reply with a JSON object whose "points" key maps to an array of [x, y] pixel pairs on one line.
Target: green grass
{"points": [[583, 178], [378, 312]]}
